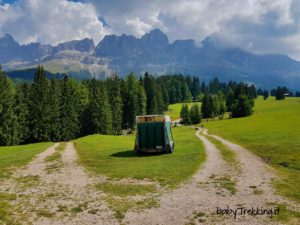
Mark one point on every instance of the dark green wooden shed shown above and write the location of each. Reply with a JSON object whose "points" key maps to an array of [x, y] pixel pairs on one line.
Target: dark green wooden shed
{"points": [[154, 134]]}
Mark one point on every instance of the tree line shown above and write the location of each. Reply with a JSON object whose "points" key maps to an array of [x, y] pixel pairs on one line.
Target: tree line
{"points": [[219, 98], [64, 109]]}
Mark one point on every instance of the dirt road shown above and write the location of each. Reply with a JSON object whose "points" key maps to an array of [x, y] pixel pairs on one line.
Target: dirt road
{"points": [[58, 192], [62, 192], [196, 202]]}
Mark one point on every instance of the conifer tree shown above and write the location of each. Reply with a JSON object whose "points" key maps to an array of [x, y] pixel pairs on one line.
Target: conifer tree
{"points": [[100, 115], [22, 112], [40, 120], [195, 114], [266, 94], [132, 89], [142, 101], [242, 107], [206, 106], [114, 94], [70, 109], [185, 114], [149, 85], [8, 120], [55, 113]]}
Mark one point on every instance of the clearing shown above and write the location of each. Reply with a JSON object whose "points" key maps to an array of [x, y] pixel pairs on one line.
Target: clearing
{"points": [[100, 180]]}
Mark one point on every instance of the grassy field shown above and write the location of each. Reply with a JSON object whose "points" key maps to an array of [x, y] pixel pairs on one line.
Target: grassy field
{"points": [[174, 110], [11, 158], [273, 133], [114, 157], [16, 156]]}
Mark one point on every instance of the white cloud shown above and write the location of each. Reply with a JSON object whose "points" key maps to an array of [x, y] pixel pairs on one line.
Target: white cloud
{"points": [[262, 26], [137, 27], [50, 21]]}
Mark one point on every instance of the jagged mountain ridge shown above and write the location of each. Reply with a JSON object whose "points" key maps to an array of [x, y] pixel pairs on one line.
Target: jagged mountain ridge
{"points": [[153, 53]]}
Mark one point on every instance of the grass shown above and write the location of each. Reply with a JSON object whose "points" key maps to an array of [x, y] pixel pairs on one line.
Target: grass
{"points": [[54, 160], [44, 213], [119, 197], [126, 189], [287, 216], [57, 154], [227, 154], [273, 133], [114, 157], [174, 110], [226, 183], [120, 205], [11, 158]]}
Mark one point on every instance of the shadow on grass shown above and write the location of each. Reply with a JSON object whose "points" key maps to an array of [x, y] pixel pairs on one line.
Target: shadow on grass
{"points": [[131, 153]]}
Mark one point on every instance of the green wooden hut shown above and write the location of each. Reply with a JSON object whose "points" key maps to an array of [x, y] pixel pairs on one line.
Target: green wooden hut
{"points": [[154, 134]]}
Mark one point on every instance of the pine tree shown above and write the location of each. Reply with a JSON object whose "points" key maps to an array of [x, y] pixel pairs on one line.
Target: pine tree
{"points": [[114, 93], [142, 101], [206, 106], [149, 86], [280, 92], [266, 94], [195, 114], [8, 120], [100, 115], [185, 114], [242, 107], [40, 120], [22, 112], [55, 114], [221, 104], [70, 109], [132, 88]]}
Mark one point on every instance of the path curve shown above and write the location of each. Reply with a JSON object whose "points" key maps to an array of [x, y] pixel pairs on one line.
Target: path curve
{"points": [[202, 195]]}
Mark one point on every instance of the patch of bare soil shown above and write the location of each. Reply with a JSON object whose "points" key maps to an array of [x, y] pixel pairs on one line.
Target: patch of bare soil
{"points": [[66, 194]]}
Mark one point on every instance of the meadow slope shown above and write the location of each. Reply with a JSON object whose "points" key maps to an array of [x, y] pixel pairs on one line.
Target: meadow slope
{"points": [[272, 133]]}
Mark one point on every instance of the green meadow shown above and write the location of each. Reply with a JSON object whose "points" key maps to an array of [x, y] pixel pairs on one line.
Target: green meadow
{"points": [[12, 157], [114, 157], [273, 133], [174, 110]]}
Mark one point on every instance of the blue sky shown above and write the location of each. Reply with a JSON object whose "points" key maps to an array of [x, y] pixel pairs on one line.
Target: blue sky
{"points": [[259, 26]]}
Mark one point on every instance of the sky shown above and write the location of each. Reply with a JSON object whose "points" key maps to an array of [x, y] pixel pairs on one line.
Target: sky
{"points": [[258, 26]]}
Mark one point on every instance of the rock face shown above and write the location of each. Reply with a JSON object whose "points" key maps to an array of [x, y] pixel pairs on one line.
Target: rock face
{"points": [[154, 53]]}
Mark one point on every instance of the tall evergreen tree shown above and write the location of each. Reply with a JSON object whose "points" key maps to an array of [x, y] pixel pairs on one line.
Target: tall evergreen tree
{"points": [[195, 114], [266, 94], [55, 113], [149, 85], [132, 88], [8, 120], [22, 112], [185, 114], [115, 100], [242, 107], [100, 115], [40, 108], [142, 101], [280, 93], [70, 109]]}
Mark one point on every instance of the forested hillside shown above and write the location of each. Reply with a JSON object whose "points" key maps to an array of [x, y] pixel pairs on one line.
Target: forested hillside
{"points": [[63, 109]]}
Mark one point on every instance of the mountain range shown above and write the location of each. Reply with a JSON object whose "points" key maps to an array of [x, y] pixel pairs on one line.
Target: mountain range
{"points": [[153, 53]]}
